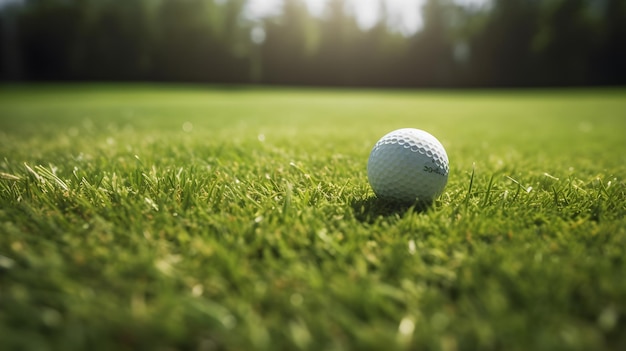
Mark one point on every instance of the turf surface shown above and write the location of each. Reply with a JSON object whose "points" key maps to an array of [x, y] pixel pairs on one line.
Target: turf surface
{"points": [[193, 218]]}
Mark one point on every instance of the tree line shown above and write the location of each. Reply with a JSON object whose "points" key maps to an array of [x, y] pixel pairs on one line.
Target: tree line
{"points": [[506, 43]]}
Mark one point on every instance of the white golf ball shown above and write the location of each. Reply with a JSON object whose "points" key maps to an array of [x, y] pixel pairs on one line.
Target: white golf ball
{"points": [[408, 165]]}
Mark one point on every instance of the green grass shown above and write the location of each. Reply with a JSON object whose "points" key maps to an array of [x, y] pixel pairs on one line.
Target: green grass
{"points": [[192, 218]]}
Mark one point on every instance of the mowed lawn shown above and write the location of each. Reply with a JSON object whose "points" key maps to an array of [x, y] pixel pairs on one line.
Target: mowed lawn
{"points": [[204, 218]]}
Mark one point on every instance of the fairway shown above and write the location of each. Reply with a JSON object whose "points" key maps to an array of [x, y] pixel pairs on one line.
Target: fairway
{"points": [[170, 217]]}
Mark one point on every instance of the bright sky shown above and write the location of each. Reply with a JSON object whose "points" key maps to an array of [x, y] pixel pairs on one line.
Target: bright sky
{"points": [[6, 2], [403, 12]]}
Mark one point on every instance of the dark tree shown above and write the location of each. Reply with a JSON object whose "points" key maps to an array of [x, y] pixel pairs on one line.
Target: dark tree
{"points": [[114, 41], [431, 54], [284, 51], [564, 43], [502, 50], [610, 62], [48, 36]]}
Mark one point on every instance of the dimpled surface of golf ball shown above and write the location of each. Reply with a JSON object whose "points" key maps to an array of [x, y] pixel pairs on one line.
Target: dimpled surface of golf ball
{"points": [[408, 165]]}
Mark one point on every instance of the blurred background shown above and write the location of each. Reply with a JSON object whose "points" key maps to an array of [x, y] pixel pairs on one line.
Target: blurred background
{"points": [[386, 43]]}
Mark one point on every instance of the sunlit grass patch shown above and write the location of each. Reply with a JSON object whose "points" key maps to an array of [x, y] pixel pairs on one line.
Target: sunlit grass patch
{"points": [[157, 217]]}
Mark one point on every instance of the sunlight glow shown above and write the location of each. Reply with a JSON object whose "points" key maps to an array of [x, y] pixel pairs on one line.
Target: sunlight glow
{"points": [[402, 15]]}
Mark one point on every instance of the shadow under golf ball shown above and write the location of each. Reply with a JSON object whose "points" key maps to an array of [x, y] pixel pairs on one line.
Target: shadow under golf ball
{"points": [[372, 207]]}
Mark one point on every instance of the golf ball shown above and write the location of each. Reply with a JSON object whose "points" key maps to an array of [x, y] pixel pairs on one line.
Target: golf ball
{"points": [[408, 165]]}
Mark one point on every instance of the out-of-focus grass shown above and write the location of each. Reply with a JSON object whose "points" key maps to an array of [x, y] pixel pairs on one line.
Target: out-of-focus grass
{"points": [[202, 218]]}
